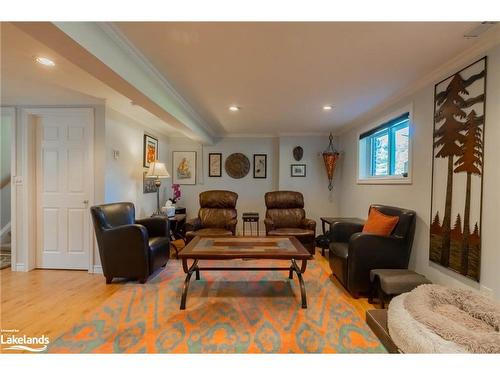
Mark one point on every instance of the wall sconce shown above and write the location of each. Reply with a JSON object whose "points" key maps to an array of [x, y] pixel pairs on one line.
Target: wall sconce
{"points": [[330, 157]]}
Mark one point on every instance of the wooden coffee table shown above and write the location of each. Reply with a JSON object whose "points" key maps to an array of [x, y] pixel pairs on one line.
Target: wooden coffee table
{"points": [[230, 247]]}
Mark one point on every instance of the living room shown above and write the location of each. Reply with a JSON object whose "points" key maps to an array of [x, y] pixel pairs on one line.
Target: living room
{"points": [[350, 174]]}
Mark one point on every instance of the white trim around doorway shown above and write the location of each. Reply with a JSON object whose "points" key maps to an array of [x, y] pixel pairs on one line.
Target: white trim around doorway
{"points": [[25, 181]]}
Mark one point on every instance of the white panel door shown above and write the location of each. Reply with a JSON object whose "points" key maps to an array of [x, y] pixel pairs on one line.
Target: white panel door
{"points": [[63, 170]]}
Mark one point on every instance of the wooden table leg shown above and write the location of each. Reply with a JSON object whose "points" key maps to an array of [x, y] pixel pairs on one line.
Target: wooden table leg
{"points": [[176, 249], [189, 271], [299, 272]]}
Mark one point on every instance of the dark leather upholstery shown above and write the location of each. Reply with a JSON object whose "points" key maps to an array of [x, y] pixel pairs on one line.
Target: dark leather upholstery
{"points": [[217, 215], [285, 216], [353, 253], [129, 248]]}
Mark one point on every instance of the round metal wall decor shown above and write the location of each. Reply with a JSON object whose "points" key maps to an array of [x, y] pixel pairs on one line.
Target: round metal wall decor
{"points": [[298, 152], [237, 165]]}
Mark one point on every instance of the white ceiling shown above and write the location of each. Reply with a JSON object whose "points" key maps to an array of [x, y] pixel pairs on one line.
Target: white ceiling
{"points": [[24, 82], [281, 74]]}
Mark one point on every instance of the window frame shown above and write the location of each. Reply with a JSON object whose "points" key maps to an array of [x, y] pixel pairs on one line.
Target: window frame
{"points": [[365, 157]]}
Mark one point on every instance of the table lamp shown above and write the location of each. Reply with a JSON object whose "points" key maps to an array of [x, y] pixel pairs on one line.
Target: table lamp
{"points": [[157, 170]]}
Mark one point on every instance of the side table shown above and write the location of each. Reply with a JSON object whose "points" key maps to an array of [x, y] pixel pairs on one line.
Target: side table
{"points": [[176, 226], [250, 217]]}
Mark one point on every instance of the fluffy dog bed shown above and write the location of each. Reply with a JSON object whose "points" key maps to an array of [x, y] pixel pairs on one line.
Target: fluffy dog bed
{"points": [[437, 319]]}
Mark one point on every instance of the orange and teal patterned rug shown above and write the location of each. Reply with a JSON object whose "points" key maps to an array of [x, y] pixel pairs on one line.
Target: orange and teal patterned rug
{"points": [[226, 312]]}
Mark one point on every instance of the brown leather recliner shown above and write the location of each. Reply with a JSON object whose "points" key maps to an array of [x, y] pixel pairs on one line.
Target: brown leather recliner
{"points": [[128, 247], [285, 216], [217, 215]]}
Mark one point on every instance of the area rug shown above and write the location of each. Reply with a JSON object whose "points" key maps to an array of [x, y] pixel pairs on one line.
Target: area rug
{"points": [[226, 312]]}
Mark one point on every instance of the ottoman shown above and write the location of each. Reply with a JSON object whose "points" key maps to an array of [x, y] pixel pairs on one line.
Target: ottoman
{"points": [[387, 283]]}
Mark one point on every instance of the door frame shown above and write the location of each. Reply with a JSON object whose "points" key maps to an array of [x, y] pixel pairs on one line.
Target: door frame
{"points": [[28, 149], [11, 112]]}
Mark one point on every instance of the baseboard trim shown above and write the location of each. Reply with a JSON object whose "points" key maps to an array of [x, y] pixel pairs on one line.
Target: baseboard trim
{"points": [[97, 269], [20, 267]]}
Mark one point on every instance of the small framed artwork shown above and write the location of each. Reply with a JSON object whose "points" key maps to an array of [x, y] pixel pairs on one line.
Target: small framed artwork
{"points": [[148, 184], [298, 170], [150, 152], [260, 166], [184, 167], [215, 165]]}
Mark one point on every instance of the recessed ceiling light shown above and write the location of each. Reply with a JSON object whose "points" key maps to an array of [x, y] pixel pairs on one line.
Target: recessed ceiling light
{"points": [[44, 61], [234, 108], [327, 108]]}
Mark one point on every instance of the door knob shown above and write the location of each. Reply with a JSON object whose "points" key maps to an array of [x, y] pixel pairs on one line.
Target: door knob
{"points": [[85, 202]]}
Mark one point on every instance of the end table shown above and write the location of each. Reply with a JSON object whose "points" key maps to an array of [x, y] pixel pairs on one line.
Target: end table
{"points": [[250, 217]]}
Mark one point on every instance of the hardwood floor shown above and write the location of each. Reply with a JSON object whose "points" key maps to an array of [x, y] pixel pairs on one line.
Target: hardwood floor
{"points": [[50, 302]]}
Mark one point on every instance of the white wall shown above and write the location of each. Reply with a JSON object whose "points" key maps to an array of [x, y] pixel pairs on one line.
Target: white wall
{"points": [[124, 176], [318, 200], [250, 190], [355, 198]]}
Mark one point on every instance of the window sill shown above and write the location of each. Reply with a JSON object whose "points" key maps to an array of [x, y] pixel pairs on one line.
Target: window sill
{"points": [[391, 180]]}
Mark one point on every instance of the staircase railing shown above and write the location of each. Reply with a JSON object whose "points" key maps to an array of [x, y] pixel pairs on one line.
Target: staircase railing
{"points": [[5, 181]]}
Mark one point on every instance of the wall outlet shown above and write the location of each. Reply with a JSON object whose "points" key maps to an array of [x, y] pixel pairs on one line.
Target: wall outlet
{"points": [[485, 291], [116, 154]]}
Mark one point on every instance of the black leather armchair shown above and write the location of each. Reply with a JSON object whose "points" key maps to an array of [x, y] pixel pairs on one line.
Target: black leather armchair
{"points": [[353, 254], [128, 247]]}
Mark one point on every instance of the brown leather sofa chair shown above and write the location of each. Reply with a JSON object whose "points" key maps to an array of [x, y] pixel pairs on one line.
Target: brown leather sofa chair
{"points": [[217, 215], [354, 254], [285, 216], [128, 247]]}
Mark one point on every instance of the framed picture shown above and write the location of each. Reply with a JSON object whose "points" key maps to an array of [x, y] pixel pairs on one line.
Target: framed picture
{"points": [[150, 152], [298, 170], [148, 184], [215, 165], [184, 167], [260, 166]]}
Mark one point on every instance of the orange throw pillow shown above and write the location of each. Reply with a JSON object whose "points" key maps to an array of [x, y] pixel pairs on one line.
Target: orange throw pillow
{"points": [[380, 224]]}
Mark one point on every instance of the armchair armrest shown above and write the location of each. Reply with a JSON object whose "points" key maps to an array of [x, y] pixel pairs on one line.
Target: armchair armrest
{"points": [[309, 224], [157, 226], [269, 223], [193, 224], [341, 231], [374, 251], [231, 225]]}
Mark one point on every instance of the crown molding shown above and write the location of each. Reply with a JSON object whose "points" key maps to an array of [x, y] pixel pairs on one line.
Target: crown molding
{"points": [[249, 135], [487, 41], [114, 61], [304, 134], [119, 38]]}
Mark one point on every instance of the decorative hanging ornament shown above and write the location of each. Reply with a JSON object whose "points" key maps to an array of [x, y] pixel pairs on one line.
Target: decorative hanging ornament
{"points": [[330, 157], [298, 152]]}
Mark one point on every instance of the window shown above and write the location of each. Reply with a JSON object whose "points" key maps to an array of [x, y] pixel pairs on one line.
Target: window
{"points": [[384, 151]]}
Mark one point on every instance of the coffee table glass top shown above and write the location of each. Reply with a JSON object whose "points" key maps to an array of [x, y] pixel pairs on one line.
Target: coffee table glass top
{"points": [[245, 247]]}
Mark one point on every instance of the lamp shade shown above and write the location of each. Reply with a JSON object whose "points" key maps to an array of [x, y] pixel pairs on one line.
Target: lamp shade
{"points": [[157, 170]]}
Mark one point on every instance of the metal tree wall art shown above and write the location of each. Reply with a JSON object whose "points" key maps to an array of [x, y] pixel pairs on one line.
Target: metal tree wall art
{"points": [[458, 169], [330, 157]]}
